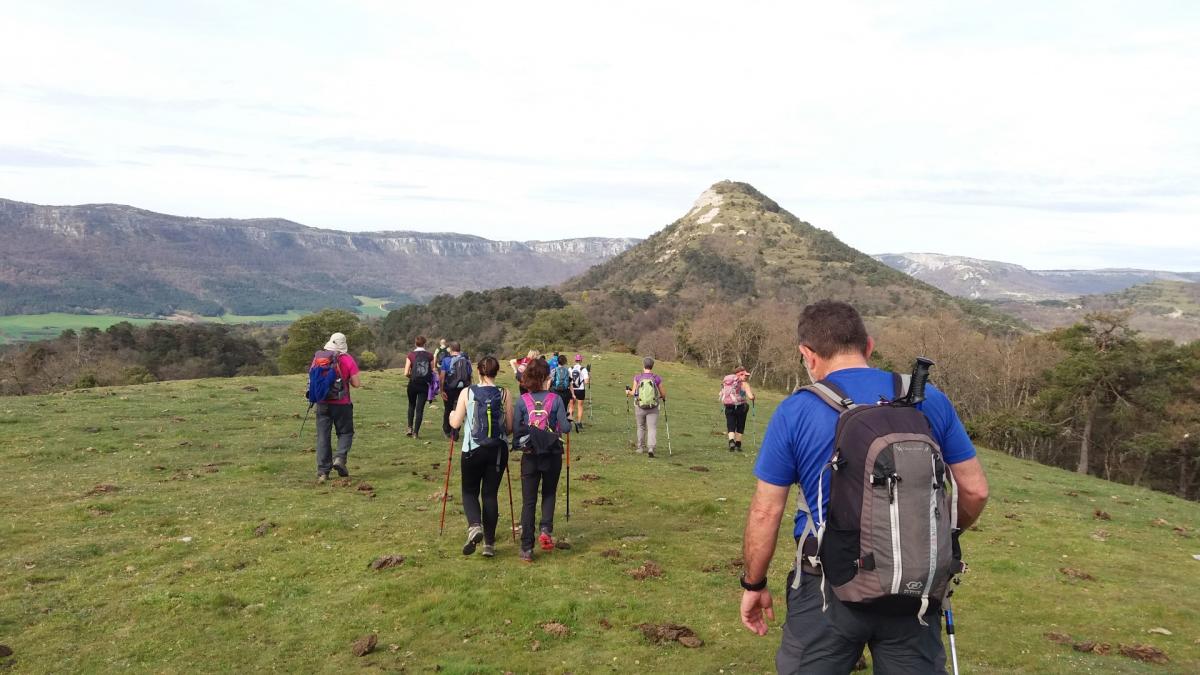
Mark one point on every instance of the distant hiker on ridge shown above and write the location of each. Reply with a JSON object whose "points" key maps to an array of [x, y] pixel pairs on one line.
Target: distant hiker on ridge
{"points": [[868, 579], [334, 410], [418, 368], [647, 392], [735, 391]]}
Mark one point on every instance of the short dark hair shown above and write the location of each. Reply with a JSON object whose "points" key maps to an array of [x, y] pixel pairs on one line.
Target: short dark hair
{"points": [[648, 363], [455, 346], [489, 366], [830, 328], [420, 341], [535, 375]]}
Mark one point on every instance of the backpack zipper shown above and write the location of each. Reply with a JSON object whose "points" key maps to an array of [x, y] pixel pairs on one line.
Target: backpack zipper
{"points": [[894, 509]]}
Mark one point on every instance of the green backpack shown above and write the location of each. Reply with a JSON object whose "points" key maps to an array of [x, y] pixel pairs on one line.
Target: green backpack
{"points": [[647, 394]]}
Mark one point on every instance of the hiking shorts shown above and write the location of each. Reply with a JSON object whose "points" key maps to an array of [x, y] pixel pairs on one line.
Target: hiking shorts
{"points": [[820, 642], [581, 394], [735, 418]]}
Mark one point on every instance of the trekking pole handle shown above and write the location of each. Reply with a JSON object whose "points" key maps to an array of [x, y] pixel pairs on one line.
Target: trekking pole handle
{"points": [[920, 376]]}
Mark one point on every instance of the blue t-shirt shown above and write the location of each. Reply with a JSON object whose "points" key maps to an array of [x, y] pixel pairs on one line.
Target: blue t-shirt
{"points": [[552, 362], [445, 365], [799, 438]]}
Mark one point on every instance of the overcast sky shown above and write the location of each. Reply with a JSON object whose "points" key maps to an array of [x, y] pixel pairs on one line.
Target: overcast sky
{"points": [[1048, 134]]}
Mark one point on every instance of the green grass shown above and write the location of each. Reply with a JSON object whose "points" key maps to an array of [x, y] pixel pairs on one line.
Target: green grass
{"points": [[372, 307], [28, 327], [107, 581]]}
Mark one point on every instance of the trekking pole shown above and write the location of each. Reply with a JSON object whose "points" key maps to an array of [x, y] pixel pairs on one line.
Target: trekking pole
{"points": [[950, 632], [512, 516], [301, 432], [446, 487], [667, 421], [568, 477]]}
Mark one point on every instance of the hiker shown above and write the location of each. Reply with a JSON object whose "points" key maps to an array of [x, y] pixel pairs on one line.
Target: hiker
{"points": [[581, 377], [539, 421], [560, 384], [418, 368], [454, 371], [336, 413], [647, 392], [553, 361], [519, 365], [441, 352], [735, 391], [485, 411], [824, 633]]}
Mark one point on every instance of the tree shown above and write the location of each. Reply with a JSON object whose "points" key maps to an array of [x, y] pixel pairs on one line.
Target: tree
{"points": [[558, 329], [309, 333]]}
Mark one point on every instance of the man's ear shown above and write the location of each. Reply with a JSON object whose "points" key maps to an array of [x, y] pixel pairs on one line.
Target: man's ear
{"points": [[870, 347]]}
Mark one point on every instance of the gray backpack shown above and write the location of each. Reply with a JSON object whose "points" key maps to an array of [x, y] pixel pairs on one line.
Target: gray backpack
{"points": [[890, 539]]}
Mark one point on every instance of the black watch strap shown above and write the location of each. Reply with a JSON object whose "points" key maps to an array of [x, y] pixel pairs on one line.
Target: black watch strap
{"points": [[752, 587]]}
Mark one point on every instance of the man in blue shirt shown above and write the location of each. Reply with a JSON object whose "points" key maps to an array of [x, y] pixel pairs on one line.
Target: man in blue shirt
{"points": [[798, 443]]}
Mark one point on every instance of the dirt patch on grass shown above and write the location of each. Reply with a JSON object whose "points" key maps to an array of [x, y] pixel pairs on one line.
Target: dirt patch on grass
{"points": [[599, 501], [562, 545], [662, 633], [588, 477], [383, 562], [610, 553], [701, 469], [1145, 653], [556, 629], [364, 645], [1076, 574], [263, 528], [249, 387], [605, 624], [101, 489], [1101, 515], [367, 489], [1088, 646], [647, 570]]}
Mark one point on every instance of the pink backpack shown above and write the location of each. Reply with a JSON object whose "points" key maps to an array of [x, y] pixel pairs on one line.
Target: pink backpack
{"points": [[539, 412], [731, 391]]}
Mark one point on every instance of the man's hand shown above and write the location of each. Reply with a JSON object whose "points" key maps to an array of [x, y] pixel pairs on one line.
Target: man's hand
{"points": [[757, 610]]}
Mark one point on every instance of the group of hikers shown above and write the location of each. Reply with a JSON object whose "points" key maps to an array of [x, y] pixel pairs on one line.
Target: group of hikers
{"points": [[886, 474]]}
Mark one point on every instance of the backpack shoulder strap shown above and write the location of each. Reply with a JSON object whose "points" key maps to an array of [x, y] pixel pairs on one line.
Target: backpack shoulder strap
{"points": [[527, 399], [831, 394]]}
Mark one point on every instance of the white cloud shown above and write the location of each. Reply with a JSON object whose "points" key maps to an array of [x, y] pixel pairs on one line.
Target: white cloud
{"points": [[1014, 130]]}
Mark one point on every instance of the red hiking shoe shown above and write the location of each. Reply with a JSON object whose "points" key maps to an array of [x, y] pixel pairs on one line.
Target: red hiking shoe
{"points": [[546, 541]]}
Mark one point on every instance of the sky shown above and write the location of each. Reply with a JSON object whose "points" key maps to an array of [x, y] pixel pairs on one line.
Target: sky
{"points": [[1053, 135]]}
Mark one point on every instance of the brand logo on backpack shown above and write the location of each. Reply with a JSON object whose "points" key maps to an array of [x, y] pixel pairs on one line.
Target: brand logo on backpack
{"points": [[889, 504]]}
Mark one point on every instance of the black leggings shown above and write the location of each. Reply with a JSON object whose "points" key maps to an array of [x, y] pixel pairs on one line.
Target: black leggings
{"points": [[735, 418], [418, 396], [481, 477], [538, 470]]}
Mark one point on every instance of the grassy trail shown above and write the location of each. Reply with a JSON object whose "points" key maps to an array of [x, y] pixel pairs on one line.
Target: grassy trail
{"points": [[164, 572]]}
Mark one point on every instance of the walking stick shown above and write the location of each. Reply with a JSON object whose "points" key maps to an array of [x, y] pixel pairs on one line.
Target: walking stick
{"points": [[446, 487], [667, 421], [950, 632], [512, 516], [568, 477]]}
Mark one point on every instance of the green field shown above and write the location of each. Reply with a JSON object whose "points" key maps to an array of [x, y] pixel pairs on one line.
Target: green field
{"points": [[29, 327], [163, 572]]}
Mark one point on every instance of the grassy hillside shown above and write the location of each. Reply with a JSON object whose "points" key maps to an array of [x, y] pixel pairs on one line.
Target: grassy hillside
{"points": [[1167, 310], [163, 570]]}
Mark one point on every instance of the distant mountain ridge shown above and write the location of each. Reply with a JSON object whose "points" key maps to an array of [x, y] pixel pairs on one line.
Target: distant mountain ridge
{"points": [[993, 280], [122, 259]]}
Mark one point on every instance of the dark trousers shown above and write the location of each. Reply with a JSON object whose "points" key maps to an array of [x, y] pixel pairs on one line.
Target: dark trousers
{"points": [[451, 403], [735, 418], [339, 418], [830, 642], [538, 471], [418, 396], [482, 470]]}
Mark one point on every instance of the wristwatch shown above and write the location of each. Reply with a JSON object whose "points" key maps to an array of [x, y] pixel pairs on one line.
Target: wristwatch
{"points": [[752, 587]]}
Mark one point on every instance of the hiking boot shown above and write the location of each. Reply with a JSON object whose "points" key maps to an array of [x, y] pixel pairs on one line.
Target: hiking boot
{"points": [[489, 550], [650, 454], [322, 477], [640, 451], [527, 556], [339, 465], [546, 540], [408, 432], [732, 445], [739, 446], [474, 536]]}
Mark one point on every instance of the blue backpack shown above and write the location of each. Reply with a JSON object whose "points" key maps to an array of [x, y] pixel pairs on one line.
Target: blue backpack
{"points": [[562, 378], [487, 425], [324, 378]]}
